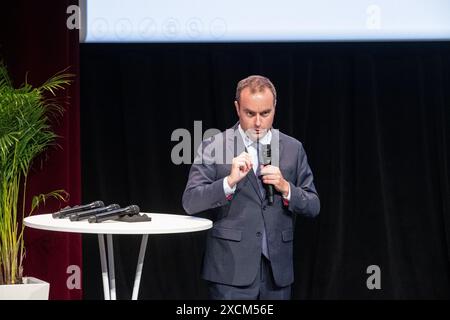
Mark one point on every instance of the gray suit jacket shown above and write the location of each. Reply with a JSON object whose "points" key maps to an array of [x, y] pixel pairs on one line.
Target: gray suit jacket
{"points": [[233, 248]]}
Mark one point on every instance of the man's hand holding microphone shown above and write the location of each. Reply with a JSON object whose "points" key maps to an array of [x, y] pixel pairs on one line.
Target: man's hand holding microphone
{"points": [[241, 166]]}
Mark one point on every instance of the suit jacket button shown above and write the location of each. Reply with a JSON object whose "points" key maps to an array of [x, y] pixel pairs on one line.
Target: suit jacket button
{"points": [[264, 207], [258, 234]]}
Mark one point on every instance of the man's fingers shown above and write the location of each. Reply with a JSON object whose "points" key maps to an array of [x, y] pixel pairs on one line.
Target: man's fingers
{"points": [[241, 164], [246, 159], [270, 178], [245, 156], [265, 170], [244, 165]]}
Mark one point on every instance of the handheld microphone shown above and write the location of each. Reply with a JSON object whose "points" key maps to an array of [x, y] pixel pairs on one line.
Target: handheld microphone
{"points": [[86, 214], [114, 214], [63, 213], [267, 159]]}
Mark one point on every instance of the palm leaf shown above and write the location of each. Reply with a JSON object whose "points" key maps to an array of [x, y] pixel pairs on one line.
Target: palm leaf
{"points": [[25, 133]]}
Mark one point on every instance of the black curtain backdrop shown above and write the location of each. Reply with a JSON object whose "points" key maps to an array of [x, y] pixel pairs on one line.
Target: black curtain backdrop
{"points": [[373, 117]]}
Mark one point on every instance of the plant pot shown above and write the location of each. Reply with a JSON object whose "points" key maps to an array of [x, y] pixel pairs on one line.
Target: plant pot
{"points": [[30, 289]]}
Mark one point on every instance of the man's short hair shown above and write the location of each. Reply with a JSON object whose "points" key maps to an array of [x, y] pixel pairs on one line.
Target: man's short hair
{"points": [[256, 83]]}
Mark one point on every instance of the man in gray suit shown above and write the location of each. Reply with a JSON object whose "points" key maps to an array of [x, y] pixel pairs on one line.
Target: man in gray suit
{"points": [[249, 250]]}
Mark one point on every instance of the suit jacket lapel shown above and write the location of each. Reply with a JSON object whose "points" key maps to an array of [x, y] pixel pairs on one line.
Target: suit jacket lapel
{"points": [[252, 177], [276, 147]]}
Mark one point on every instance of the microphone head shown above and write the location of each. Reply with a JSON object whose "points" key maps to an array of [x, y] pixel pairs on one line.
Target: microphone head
{"points": [[113, 206], [266, 154], [67, 211], [97, 204], [133, 209]]}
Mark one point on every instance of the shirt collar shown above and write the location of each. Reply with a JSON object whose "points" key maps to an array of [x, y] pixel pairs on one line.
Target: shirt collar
{"points": [[248, 142]]}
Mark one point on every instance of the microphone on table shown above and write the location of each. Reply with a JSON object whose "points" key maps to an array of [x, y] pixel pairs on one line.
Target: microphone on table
{"points": [[114, 214], [63, 213], [266, 160], [83, 215]]}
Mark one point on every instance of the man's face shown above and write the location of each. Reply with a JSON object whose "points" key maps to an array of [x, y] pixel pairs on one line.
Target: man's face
{"points": [[256, 112]]}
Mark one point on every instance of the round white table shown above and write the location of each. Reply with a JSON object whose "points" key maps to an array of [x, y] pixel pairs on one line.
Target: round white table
{"points": [[161, 224]]}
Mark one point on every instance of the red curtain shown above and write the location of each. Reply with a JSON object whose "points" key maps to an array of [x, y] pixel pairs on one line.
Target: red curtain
{"points": [[36, 40]]}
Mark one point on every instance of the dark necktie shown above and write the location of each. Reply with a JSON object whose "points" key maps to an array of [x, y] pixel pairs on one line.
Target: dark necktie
{"points": [[262, 190], [265, 249]]}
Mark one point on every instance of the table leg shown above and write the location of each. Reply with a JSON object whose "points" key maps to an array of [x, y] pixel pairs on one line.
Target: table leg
{"points": [[112, 275], [101, 244], [140, 264]]}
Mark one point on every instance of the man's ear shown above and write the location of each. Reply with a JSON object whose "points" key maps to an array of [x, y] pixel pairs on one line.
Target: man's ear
{"points": [[236, 104]]}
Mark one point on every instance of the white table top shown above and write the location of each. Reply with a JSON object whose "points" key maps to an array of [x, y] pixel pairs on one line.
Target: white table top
{"points": [[161, 223]]}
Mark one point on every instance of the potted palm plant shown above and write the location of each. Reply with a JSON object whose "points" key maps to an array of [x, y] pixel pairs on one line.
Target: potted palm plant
{"points": [[25, 133]]}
